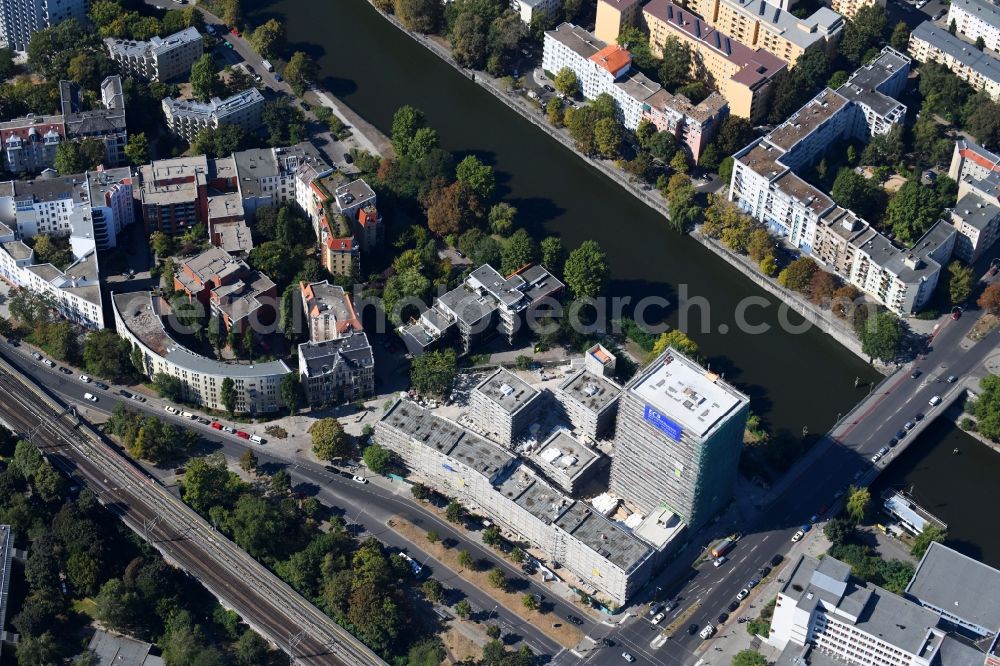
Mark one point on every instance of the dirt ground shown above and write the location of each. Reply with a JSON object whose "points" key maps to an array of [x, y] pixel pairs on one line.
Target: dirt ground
{"points": [[985, 324], [459, 646], [565, 634]]}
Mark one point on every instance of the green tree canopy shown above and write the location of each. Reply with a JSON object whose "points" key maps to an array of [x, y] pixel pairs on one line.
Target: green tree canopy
{"points": [[329, 441], [432, 373], [586, 271]]}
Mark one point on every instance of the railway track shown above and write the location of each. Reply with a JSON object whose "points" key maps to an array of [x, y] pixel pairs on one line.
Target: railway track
{"points": [[241, 583]]}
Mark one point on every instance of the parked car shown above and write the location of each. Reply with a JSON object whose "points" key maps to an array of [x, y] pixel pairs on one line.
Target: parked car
{"points": [[951, 379], [202, 420], [257, 439], [348, 158], [707, 632], [656, 609], [65, 371], [36, 356], [242, 435], [742, 594], [722, 617], [359, 479], [138, 398], [798, 536], [124, 393], [916, 373], [172, 410], [230, 429], [101, 385], [85, 379], [658, 617], [628, 657], [934, 401], [893, 442], [777, 559], [692, 629], [217, 425], [876, 457], [956, 313], [918, 417], [765, 571], [909, 425], [234, 31]]}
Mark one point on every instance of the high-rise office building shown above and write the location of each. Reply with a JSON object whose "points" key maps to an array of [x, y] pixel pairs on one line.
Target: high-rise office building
{"points": [[678, 439]]}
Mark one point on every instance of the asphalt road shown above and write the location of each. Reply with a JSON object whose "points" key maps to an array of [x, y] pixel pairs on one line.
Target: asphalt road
{"points": [[265, 602], [369, 506]]}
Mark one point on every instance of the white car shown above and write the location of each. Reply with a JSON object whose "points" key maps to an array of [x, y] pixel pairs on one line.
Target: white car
{"points": [[188, 415], [85, 379], [658, 618], [229, 429], [628, 657], [935, 401], [172, 410], [798, 536], [742, 594], [707, 632], [719, 561], [876, 457], [90, 396], [359, 479]]}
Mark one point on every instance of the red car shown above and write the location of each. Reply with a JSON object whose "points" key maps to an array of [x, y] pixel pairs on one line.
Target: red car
{"points": [[956, 313], [234, 31], [217, 425], [240, 433]]}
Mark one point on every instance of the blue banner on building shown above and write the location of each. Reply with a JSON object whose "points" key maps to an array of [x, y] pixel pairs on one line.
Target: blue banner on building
{"points": [[663, 423]]}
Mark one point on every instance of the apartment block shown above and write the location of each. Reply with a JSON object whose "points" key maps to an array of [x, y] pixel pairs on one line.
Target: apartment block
{"points": [[329, 312], [566, 461], [337, 370], [742, 75], [849, 8], [760, 24], [532, 11], [139, 319], [276, 176], [613, 16], [346, 219], [159, 59], [599, 68], [766, 185], [503, 405], [30, 143], [186, 118], [929, 43], [589, 402], [605, 559], [693, 125], [20, 19], [977, 221], [485, 305], [976, 18], [824, 616], [678, 440], [228, 288], [971, 162], [173, 193]]}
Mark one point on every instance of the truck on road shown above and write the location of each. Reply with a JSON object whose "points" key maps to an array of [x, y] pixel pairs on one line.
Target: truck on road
{"points": [[723, 547]]}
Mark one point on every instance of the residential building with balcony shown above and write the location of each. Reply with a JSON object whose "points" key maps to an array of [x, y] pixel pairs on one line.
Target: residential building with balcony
{"points": [[929, 43], [337, 370], [228, 288], [613, 16], [142, 318], [531, 11], [761, 24], [971, 162], [589, 402], [30, 143], [159, 59], [329, 312], [20, 19], [487, 304], [976, 18], [850, 8], [566, 462], [678, 440], [693, 125], [743, 75], [186, 118], [276, 176], [605, 559]]}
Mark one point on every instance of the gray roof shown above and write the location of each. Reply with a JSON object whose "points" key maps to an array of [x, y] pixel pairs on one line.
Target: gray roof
{"points": [[114, 650], [639, 86], [466, 304], [447, 437], [982, 63], [603, 536], [975, 212], [51, 186], [518, 291], [576, 38], [801, 32], [563, 459], [984, 10], [804, 655], [216, 107], [17, 250], [155, 46], [141, 315], [593, 392], [322, 358], [507, 390], [955, 651], [958, 585]]}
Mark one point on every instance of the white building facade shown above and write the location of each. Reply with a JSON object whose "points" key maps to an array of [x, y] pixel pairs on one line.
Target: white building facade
{"points": [[159, 59], [187, 118], [976, 18], [20, 19]]}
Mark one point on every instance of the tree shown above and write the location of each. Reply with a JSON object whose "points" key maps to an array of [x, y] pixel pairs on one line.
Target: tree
{"points": [[248, 461], [227, 394], [468, 40], [137, 149], [900, 38], [168, 386], [959, 282], [663, 146], [857, 193], [553, 255], [912, 211], [895, 575], [517, 251], [477, 176], [377, 458], [77, 156], [858, 500], [798, 275], [986, 408], [989, 300], [463, 609], [285, 123], [432, 373], [554, 111], [881, 336], [454, 512], [251, 649], [497, 579], [586, 271], [107, 355], [268, 39], [566, 82], [464, 558], [420, 16], [675, 68], [677, 339], [300, 68], [608, 137], [863, 32], [493, 631], [203, 77], [433, 590], [529, 601], [329, 440], [839, 531], [982, 120], [502, 217], [749, 658], [821, 287], [923, 541], [292, 393]]}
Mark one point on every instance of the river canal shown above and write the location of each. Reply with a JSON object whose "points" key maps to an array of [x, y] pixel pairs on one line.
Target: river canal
{"points": [[794, 380]]}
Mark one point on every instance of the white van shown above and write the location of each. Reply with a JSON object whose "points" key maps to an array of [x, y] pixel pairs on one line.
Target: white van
{"points": [[267, 65], [257, 439], [935, 401], [188, 415], [90, 396], [707, 632]]}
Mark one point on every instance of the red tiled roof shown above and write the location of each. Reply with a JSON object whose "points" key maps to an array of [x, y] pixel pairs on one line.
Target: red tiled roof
{"points": [[612, 58]]}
